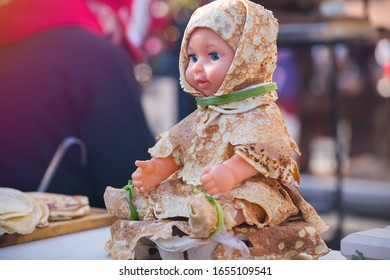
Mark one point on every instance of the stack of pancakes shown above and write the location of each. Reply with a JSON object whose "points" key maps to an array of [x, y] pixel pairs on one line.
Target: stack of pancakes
{"points": [[294, 237], [24, 212]]}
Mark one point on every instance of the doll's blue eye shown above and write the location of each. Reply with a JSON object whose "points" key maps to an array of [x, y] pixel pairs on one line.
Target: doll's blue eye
{"points": [[193, 57], [214, 56]]}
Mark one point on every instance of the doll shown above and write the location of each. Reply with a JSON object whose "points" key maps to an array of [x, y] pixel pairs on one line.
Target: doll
{"points": [[235, 147]]}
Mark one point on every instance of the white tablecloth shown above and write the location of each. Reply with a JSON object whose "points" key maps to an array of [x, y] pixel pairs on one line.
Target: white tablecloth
{"points": [[84, 245]]}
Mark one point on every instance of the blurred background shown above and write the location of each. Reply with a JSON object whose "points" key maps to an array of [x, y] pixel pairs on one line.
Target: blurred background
{"points": [[333, 76]]}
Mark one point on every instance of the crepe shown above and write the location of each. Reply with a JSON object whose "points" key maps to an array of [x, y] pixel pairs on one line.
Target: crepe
{"points": [[22, 224], [44, 218], [63, 207], [271, 197], [204, 217], [276, 208], [136, 239], [129, 238], [275, 165], [14, 203], [286, 241], [22, 212], [308, 212], [116, 203]]}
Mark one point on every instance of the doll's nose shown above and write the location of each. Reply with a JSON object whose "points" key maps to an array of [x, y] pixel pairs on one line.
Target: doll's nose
{"points": [[197, 67]]}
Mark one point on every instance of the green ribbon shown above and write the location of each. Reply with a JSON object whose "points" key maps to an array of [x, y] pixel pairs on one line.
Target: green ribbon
{"points": [[130, 196], [237, 95], [219, 211]]}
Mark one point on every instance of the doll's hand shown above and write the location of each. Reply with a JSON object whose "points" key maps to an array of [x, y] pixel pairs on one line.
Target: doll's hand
{"points": [[223, 177], [217, 179], [145, 177], [150, 173]]}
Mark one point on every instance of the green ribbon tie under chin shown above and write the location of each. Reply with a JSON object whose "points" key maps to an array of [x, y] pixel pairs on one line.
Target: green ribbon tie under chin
{"points": [[236, 96]]}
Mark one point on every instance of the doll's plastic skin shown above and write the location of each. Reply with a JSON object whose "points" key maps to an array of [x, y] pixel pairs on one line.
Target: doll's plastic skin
{"points": [[150, 173]]}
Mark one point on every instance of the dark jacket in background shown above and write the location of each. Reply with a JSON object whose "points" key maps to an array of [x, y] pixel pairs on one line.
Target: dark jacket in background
{"points": [[62, 82]]}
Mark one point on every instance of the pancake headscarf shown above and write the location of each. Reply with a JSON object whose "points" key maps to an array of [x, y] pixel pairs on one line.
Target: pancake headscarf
{"points": [[249, 29]]}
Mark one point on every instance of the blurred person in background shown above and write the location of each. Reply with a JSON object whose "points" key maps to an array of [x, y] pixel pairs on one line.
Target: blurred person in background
{"points": [[59, 78]]}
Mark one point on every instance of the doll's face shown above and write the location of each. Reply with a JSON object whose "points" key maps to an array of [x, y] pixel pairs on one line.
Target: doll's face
{"points": [[209, 59]]}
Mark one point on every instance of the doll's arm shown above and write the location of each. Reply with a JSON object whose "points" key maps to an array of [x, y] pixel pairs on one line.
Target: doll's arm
{"points": [[150, 173], [223, 177]]}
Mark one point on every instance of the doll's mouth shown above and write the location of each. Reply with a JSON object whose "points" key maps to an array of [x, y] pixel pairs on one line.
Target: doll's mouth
{"points": [[203, 84]]}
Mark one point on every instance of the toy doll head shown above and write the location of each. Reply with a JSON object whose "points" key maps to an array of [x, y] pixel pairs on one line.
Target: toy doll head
{"points": [[209, 59], [251, 32]]}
